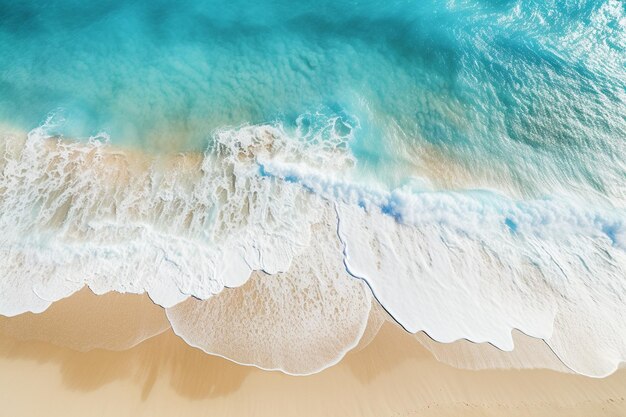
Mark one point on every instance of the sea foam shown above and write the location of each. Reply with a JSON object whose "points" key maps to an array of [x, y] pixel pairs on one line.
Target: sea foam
{"points": [[286, 207]]}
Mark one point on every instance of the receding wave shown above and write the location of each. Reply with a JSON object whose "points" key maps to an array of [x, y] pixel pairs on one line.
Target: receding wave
{"points": [[300, 321]]}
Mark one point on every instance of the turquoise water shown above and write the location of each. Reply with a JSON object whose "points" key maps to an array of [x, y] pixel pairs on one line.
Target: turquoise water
{"points": [[521, 87]]}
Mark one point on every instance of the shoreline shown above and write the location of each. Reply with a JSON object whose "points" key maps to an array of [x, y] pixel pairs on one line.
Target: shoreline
{"points": [[127, 175], [397, 374]]}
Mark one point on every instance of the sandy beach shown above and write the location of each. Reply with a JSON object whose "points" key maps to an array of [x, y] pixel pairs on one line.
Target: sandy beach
{"points": [[392, 376]]}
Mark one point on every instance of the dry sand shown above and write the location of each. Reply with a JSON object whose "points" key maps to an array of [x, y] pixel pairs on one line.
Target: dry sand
{"points": [[393, 376]]}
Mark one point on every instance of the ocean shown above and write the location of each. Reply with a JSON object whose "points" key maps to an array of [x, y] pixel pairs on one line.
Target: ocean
{"points": [[462, 164]]}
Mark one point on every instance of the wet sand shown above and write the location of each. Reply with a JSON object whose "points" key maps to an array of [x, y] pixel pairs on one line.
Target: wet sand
{"points": [[393, 376]]}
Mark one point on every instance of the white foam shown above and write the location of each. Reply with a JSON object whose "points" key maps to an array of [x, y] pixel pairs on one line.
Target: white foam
{"points": [[477, 265], [458, 265], [76, 214], [461, 269]]}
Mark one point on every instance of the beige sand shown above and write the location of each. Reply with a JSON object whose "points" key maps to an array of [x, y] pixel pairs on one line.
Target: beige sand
{"points": [[85, 321], [393, 376]]}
